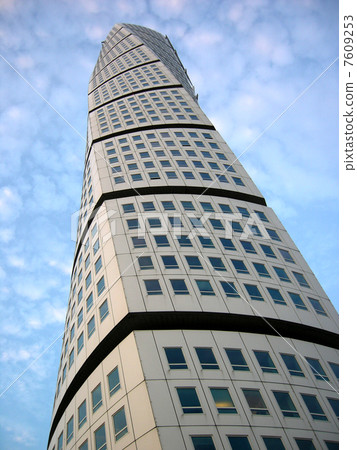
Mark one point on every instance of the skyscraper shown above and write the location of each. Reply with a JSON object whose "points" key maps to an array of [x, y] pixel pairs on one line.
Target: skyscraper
{"points": [[193, 320]]}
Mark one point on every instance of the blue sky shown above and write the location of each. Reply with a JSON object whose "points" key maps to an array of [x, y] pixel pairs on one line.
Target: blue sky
{"points": [[249, 60]]}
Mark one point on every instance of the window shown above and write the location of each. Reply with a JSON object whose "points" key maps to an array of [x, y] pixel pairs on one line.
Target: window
{"points": [[331, 445], [205, 176], [227, 244], [184, 241], [255, 402], [205, 287], [276, 296], [145, 262], [168, 205], [207, 207], [225, 208], [266, 363], [237, 359], [154, 175], [239, 443], [96, 246], [91, 327], [238, 181], [301, 279], [80, 317], [153, 287], [133, 224], [80, 342], [119, 180], [113, 381], [100, 286], [236, 227], [239, 266], [188, 206], [334, 405], [196, 222], [161, 241], [181, 163], [88, 280], [148, 206], [72, 332], [292, 365], [243, 211], [136, 177], [229, 289], [169, 262], [317, 369], [335, 369], [203, 443], [103, 310], [255, 230], [80, 295], [175, 358], [64, 373], [194, 262], [138, 242], [286, 404], [305, 444], [254, 292], [261, 216], [154, 222], [261, 269], [273, 443], [120, 426], [189, 400], [217, 263], [129, 207], [82, 414], [175, 222], [286, 255], [69, 430], [60, 442], [282, 274], [179, 287], [86, 262], [268, 251], [314, 407], [71, 359], [223, 401], [206, 358], [100, 439], [98, 264], [188, 175], [248, 247], [273, 235], [216, 224], [206, 242], [297, 300], [317, 306], [96, 398]]}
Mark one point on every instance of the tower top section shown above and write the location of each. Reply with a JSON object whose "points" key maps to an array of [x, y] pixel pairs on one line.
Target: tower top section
{"points": [[136, 36]]}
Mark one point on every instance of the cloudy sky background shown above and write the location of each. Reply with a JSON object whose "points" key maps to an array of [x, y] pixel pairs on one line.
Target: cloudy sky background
{"points": [[248, 61]]}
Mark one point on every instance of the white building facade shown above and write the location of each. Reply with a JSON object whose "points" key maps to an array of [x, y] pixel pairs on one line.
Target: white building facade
{"points": [[193, 320]]}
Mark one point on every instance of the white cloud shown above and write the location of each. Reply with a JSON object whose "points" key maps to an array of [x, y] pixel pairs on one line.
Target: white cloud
{"points": [[10, 204], [16, 261], [24, 62], [6, 235]]}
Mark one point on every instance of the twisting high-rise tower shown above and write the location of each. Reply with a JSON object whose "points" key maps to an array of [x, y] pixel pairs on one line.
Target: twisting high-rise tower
{"points": [[193, 320]]}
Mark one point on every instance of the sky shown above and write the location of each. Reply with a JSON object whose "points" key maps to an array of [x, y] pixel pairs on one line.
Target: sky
{"points": [[267, 77]]}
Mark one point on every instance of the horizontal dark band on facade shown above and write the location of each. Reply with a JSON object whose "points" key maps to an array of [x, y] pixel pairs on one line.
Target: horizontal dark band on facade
{"points": [[139, 91], [189, 320], [124, 71], [148, 128], [158, 190]]}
